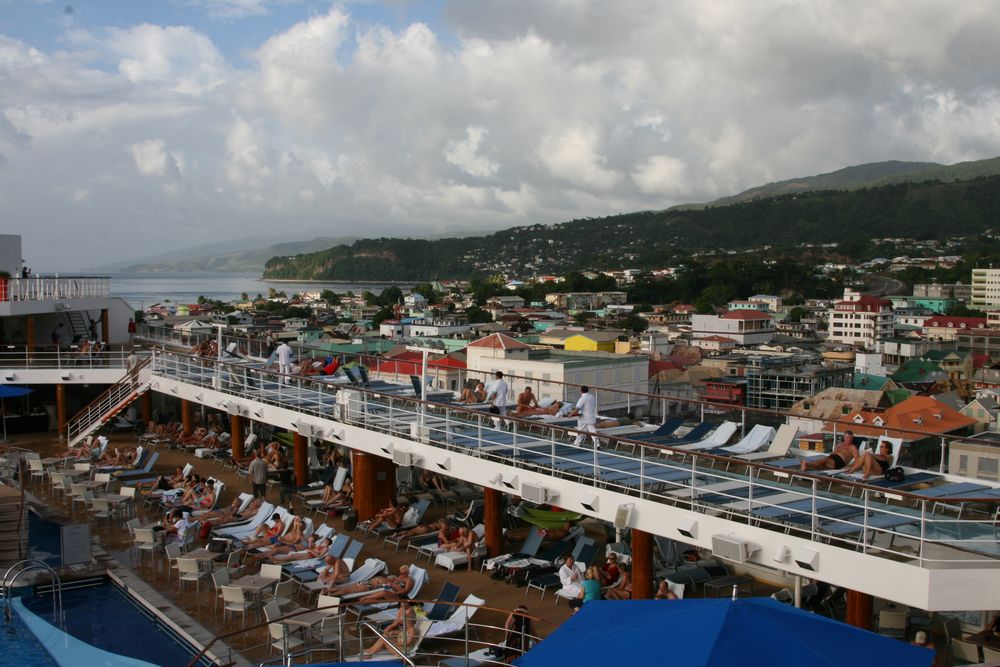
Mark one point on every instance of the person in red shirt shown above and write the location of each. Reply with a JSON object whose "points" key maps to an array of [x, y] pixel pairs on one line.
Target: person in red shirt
{"points": [[609, 571]]}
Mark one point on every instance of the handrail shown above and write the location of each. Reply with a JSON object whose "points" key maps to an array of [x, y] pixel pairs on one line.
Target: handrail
{"points": [[343, 606], [146, 331], [389, 644], [27, 565], [109, 398], [593, 468], [554, 428]]}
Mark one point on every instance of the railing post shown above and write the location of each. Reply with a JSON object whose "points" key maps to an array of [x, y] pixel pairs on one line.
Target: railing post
{"points": [[944, 450], [923, 530], [864, 526]]}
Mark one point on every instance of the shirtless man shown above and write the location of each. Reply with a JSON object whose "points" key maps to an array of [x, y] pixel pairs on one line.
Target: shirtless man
{"points": [[525, 401], [873, 464], [314, 548], [466, 543], [335, 572], [290, 541], [374, 584], [843, 454]]}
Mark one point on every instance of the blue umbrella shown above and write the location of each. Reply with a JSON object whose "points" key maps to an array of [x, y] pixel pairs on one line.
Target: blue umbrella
{"points": [[750, 632], [8, 391]]}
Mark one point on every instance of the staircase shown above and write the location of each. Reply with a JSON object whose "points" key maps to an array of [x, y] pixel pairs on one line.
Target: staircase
{"points": [[115, 399], [79, 325]]}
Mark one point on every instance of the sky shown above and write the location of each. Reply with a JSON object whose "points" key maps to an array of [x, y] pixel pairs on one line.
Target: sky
{"points": [[130, 128]]}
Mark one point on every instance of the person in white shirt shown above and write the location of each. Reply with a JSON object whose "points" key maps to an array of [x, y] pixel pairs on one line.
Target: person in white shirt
{"points": [[586, 416], [284, 353], [569, 577], [499, 397]]}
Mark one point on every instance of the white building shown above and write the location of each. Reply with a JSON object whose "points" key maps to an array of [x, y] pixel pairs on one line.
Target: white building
{"points": [[860, 320], [985, 288], [545, 368], [746, 327]]}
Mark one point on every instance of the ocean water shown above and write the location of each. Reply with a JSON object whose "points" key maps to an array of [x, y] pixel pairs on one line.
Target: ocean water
{"points": [[141, 290]]}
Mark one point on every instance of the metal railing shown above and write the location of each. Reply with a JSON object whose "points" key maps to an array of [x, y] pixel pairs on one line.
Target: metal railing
{"points": [[108, 403], [72, 357], [464, 641], [54, 288], [844, 511]]}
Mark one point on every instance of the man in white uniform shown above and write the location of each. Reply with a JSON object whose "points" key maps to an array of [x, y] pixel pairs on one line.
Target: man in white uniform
{"points": [[569, 577], [499, 397], [586, 416], [284, 353]]}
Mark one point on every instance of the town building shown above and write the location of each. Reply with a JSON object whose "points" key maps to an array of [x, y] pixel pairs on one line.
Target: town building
{"points": [[985, 289], [776, 383], [860, 320], [746, 327]]}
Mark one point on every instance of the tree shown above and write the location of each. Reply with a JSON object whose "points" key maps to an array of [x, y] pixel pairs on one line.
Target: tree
{"points": [[381, 315], [582, 317], [244, 297], [330, 297], [477, 315], [632, 322], [428, 292], [795, 314], [961, 310]]}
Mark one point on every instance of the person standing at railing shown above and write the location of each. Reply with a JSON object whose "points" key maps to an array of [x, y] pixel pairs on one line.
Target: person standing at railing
{"points": [[284, 352], [131, 331], [498, 398]]}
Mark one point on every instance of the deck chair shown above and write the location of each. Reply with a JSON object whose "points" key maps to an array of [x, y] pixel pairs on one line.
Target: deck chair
{"points": [[758, 436], [414, 645], [246, 529], [718, 438], [583, 553], [895, 443], [413, 516], [527, 550], [458, 619], [779, 447], [437, 610], [309, 580], [419, 576], [665, 429], [452, 559]]}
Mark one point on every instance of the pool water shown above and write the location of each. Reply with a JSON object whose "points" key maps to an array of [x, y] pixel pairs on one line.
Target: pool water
{"points": [[105, 617], [20, 647]]}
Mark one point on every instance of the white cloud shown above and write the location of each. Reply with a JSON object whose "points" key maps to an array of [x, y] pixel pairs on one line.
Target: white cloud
{"points": [[524, 112], [465, 154]]}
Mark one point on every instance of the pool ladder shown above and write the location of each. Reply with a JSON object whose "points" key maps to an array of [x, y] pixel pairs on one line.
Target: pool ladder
{"points": [[28, 565]]}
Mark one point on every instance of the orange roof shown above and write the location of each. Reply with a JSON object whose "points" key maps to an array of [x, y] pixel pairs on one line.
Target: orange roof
{"points": [[499, 341], [746, 315], [917, 413]]}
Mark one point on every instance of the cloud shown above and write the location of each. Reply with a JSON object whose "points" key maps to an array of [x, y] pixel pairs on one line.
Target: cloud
{"points": [[490, 114]]}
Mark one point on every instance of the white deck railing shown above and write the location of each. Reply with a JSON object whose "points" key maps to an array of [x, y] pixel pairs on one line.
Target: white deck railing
{"points": [[18, 357], [54, 288], [845, 513]]}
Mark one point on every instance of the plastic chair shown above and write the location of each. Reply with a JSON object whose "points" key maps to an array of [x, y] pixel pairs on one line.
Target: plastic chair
{"points": [[192, 569], [892, 623], [966, 651], [236, 600]]}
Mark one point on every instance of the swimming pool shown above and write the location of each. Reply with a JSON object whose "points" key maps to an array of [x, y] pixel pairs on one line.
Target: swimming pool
{"points": [[102, 624], [103, 616]]}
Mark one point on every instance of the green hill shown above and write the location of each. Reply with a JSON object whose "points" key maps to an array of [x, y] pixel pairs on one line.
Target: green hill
{"points": [[931, 210], [871, 175]]}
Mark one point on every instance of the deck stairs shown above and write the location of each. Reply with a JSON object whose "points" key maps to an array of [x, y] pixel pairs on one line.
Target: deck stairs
{"points": [[112, 401], [78, 323]]}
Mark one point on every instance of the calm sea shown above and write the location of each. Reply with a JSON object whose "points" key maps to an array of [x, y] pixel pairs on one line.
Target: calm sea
{"points": [[144, 289]]}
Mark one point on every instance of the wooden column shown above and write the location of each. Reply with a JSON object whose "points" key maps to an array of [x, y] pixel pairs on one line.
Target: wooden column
{"points": [[642, 565], [300, 450], [147, 407], [493, 518], [374, 483], [105, 326], [61, 409], [237, 435], [860, 609], [29, 333], [187, 417]]}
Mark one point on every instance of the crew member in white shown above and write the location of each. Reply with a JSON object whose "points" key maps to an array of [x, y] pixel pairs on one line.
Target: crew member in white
{"points": [[498, 394], [284, 352], [586, 416]]}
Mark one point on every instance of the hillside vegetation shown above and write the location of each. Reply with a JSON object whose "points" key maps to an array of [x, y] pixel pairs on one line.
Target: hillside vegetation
{"points": [[928, 210]]}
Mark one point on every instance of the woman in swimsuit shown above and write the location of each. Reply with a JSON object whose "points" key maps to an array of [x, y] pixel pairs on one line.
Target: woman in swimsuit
{"points": [[873, 464]]}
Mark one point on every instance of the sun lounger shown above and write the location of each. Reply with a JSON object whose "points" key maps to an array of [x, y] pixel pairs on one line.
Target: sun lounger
{"points": [[452, 559], [458, 620], [778, 448]]}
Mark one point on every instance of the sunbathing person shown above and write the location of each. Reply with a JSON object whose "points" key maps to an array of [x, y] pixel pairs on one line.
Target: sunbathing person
{"points": [[290, 539], [335, 572], [203, 498], [430, 479], [557, 409], [163, 483], [843, 454], [623, 591], [341, 498], [397, 589], [282, 548], [315, 548], [230, 515], [266, 533], [663, 592], [466, 543], [373, 584], [423, 529], [477, 395], [873, 464], [401, 634], [391, 516], [525, 401]]}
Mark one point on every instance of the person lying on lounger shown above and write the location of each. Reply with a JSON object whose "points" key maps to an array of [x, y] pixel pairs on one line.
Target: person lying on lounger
{"points": [[423, 529], [400, 634], [525, 401], [374, 584], [314, 549], [397, 589], [872, 464], [477, 395], [843, 455], [336, 571], [291, 538]]}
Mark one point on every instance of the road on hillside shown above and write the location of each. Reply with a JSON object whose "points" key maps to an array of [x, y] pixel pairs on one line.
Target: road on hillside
{"points": [[879, 285]]}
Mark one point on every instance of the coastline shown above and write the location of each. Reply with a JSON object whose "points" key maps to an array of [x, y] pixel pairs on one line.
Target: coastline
{"points": [[339, 282]]}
